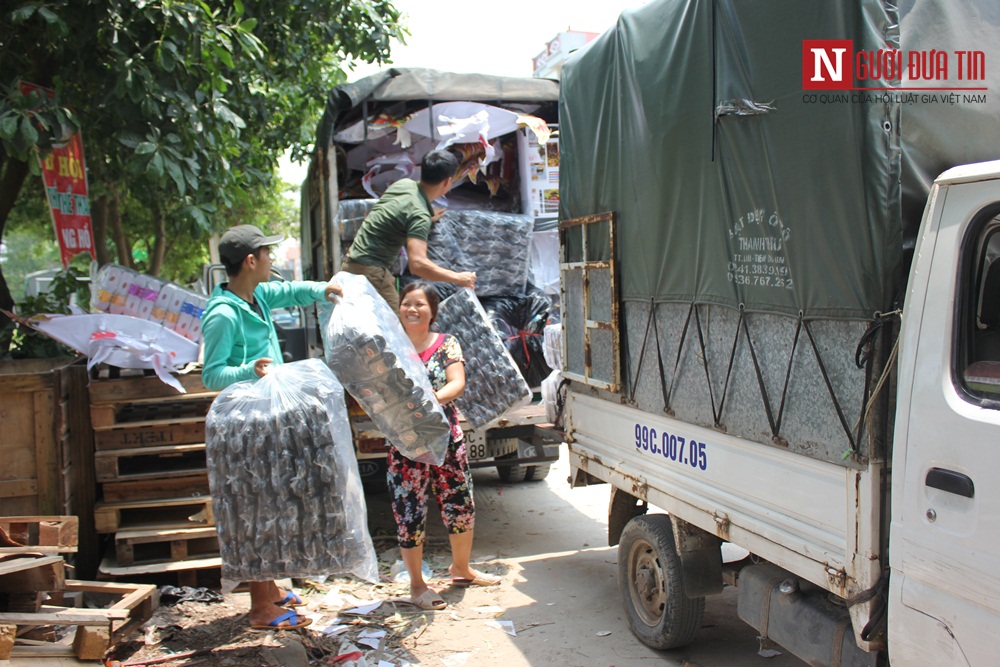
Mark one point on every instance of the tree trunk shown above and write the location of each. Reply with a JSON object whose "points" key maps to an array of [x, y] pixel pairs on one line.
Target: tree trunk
{"points": [[159, 241], [99, 219], [12, 175], [115, 218]]}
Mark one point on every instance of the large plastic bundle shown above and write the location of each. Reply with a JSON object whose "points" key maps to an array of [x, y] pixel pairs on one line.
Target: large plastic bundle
{"points": [[520, 321], [350, 214], [374, 359], [286, 492], [494, 245], [493, 382]]}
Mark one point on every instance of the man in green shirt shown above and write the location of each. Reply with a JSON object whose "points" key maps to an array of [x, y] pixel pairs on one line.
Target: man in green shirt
{"points": [[403, 216]]}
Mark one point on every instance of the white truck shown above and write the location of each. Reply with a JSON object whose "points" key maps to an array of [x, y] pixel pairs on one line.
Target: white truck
{"points": [[768, 342]]}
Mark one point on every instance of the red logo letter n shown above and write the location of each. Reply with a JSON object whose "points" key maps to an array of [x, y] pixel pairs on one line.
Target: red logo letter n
{"points": [[827, 64]]}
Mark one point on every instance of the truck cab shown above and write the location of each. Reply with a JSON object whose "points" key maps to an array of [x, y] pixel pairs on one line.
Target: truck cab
{"points": [[944, 538]]}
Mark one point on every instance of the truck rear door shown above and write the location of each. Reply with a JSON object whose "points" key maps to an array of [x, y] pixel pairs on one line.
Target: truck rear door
{"points": [[945, 532]]}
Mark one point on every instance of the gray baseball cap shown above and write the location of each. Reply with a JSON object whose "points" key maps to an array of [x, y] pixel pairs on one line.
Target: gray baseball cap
{"points": [[241, 240]]}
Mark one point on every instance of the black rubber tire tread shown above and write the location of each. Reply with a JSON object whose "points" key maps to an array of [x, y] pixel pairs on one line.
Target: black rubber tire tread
{"points": [[682, 616], [538, 472], [511, 474]]}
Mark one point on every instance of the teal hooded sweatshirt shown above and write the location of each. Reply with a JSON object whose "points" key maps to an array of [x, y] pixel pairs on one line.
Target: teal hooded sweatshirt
{"points": [[235, 336]]}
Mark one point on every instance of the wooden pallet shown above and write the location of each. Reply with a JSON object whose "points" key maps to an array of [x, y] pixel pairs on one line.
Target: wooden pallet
{"points": [[151, 411], [96, 631], [30, 573], [123, 465], [39, 534], [130, 436], [154, 514], [192, 486], [196, 572], [139, 547]]}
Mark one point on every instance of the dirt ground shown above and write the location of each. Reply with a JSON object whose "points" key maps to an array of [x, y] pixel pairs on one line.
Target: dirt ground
{"points": [[558, 603]]}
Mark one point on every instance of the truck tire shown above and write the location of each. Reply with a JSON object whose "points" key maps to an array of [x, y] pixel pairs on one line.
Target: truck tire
{"points": [[514, 473], [538, 472], [651, 580]]}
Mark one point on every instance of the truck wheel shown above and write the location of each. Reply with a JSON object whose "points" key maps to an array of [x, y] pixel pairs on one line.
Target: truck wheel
{"points": [[651, 579], [512, 474], [537, 473]]}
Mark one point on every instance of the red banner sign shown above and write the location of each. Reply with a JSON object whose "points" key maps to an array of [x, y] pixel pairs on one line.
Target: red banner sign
{"points": [[65, 176]]}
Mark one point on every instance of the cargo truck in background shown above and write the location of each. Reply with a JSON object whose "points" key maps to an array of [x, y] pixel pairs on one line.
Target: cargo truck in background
{"points": [[374, 131], [782, 330]]}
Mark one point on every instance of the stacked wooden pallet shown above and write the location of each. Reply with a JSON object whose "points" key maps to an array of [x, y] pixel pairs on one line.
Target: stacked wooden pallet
{"points": [[149, 462], [45, 615]]}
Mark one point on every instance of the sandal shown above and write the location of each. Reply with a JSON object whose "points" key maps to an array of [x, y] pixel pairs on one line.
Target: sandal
{"points": [[428, 601], [481, 579], [290, 616], [291, 599]]}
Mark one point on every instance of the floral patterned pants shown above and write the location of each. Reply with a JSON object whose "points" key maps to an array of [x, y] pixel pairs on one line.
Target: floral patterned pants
{"points": [[451, 484]]}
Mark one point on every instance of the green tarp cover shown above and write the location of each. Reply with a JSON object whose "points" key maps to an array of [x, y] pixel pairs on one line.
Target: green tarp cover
{"points": [[688, 119]]}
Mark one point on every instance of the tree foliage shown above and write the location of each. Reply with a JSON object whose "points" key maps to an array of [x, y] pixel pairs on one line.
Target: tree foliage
{"points": [[184, 105]]}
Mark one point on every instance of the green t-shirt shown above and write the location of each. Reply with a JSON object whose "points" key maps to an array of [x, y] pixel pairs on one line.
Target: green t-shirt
{"points": [[402, 212]]}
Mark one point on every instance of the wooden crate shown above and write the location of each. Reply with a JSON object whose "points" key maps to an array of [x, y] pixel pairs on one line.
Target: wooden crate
{"points": [[138, 547], [127, 607], [32, 426]]}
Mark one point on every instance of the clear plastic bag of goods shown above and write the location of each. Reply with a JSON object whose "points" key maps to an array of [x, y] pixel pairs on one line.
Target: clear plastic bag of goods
{"points": [[286, 492], [493, 383], [374, 359], [554, 397], [552, 345]]}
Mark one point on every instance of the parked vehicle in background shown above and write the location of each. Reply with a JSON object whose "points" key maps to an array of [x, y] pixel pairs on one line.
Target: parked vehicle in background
{"points": [[780, 328], [375, 131]]}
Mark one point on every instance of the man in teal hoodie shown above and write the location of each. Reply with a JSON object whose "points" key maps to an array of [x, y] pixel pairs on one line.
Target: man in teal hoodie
{"points": [[241, 344]]}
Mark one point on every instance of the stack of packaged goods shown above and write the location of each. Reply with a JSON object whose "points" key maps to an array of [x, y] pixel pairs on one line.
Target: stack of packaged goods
{"points": [[497, 246], [372, 357], [286, 492], [553, 387], [493, 383], [520, 321], [121, 291]]}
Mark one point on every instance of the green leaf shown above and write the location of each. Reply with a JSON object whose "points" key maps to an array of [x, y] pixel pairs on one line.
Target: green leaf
{"points": [[8, 125], [224, 56], [247, 26], [155, 166], [227, 115], [22, 14], [174, 170], [145, 148], [29, 135]]}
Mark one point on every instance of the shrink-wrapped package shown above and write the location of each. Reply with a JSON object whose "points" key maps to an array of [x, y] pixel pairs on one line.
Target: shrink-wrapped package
{"points": [[493, 383], [371, 355], [286, 492], [494, 245]]}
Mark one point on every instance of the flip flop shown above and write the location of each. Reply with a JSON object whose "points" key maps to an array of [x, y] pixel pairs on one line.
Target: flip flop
{"points": [[480, 579], [290, 600], [290, 616], [428, 601]]}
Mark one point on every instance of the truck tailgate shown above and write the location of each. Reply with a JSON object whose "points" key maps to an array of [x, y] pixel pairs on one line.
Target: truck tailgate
{"points": [[814, 518]]}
